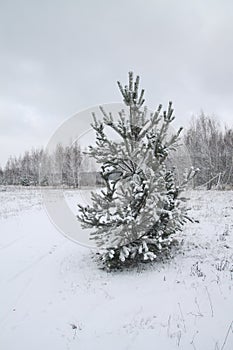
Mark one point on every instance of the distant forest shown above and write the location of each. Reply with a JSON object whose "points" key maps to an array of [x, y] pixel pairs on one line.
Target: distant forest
{"points": [[210, 148], [68, 166]]}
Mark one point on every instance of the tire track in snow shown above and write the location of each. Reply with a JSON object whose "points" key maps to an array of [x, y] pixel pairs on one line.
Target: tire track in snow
{"points": [[36, 262], [13, 242], [15, 303]]}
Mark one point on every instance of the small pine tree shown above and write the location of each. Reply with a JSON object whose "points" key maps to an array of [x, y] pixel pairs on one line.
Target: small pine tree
{"points": [[136, 216]]}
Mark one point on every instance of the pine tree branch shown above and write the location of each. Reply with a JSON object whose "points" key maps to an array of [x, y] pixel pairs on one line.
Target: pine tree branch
{"points": [[153, 122]]}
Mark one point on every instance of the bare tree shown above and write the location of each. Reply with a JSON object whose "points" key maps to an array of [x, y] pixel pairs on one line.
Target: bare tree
{"points": [[210, 150]]}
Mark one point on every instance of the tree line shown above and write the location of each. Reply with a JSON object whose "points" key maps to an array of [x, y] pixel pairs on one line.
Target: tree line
{"points": [[211, 150], [64, 166], [209, 146]]}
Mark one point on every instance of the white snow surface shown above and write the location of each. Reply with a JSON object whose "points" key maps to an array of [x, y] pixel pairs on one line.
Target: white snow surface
{"points": [[54, 296]]}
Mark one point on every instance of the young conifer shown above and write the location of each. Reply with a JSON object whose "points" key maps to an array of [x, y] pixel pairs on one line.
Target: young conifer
{"points": [[136, 216]]}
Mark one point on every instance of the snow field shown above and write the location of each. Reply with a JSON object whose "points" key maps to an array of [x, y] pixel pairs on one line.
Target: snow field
{"points": [[54, 296]]}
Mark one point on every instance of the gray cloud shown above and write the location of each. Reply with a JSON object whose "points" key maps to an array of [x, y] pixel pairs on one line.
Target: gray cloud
{"points": [[59, 57]]}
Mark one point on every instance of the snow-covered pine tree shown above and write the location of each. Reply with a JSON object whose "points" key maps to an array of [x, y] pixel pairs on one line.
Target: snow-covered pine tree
{"points": [[136, 216]]}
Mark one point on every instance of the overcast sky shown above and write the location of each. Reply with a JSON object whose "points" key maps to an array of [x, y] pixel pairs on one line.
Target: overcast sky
{"points": [[60, 57]]}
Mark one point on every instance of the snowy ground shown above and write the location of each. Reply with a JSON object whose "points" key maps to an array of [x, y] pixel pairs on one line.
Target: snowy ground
{"points": [[53, 296]]}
